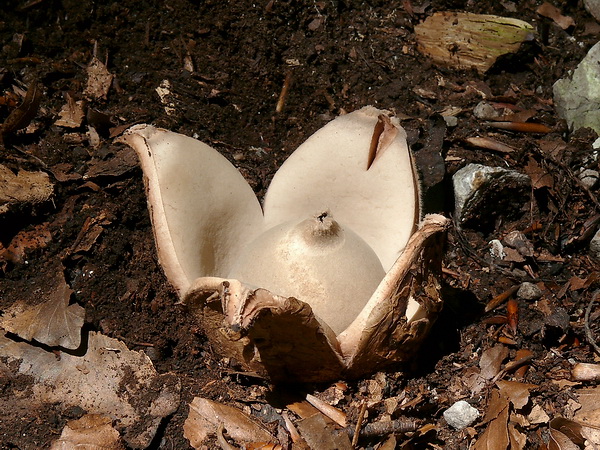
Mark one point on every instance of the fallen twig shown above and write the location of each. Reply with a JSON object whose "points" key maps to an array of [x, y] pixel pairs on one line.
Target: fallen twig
{"points": [[523, 127], [361, 417], [384, 428], [284, 92], [499, 299], [489, 144]]}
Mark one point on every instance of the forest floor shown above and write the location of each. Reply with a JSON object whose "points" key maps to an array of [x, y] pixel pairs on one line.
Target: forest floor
{"points": [[224, 64]]}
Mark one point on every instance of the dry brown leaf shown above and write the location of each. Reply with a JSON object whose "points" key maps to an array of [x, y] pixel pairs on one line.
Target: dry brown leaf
{"points": [[539, 177], [92, 431], [54, 322], [108, 379], [24, 187], [517, 393], [589, 398], [512, 315], [538, 415], [495, 436], [552, 12], [72, 113], [517, 438], [491, 361], [90, 231], [565, 434], [590, 425], [559, 441], [576, 283], [204, 419], [321, 434], [553, 148], [496, 405], [122, 162], [99, 80], [470, 41]]}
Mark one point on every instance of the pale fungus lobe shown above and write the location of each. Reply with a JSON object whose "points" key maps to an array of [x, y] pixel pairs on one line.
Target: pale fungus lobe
{"points": [[336, 276]]}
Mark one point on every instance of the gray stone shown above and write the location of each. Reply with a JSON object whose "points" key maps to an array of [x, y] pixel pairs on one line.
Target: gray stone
{"points": [[485, 110], [593, 7], [519, 241], [529, 291], [577, 98], [589, 178], [461, 415], [451, 121], [482, 193], [595, 245]]}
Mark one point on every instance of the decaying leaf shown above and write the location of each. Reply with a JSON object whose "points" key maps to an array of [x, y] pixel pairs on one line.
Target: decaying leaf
{"points": [[72, 113], [99, 80], [565, 434], [552, 12], [321, 434], [92, 431], [23, 188], [539, 176], [54, 322], [491, 361], [495, 436], [90, 231], [166, 97], [122, 162], [590, 425], [108, 379], [517, 393], [490, 144], [204, 419], [470, 41]]}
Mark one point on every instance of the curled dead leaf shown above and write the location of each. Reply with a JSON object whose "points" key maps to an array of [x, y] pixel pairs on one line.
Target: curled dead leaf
{"points": [[92, 431], [206, 416], [54, 322]]}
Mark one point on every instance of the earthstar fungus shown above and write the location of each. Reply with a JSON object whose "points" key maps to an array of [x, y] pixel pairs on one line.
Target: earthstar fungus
{"points": [[337, 278]]}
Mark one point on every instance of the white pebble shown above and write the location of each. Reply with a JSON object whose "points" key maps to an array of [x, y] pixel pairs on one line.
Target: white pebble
{"points": [[461, 415]]}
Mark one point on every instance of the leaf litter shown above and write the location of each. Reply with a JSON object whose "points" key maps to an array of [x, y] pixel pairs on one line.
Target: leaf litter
{"points": [[559, 220], [108, 379]]}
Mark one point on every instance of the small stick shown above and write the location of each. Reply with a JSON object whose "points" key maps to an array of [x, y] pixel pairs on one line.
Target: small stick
{"points": [[489, 144], [497, 300], [523, 127], [284, 92], [291, 428], [384, 428], [333, 413], [361, 417], [513, 365]]}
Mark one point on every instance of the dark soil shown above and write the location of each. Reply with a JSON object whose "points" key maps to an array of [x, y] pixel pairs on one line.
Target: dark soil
{"points": [[340, 55]]}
